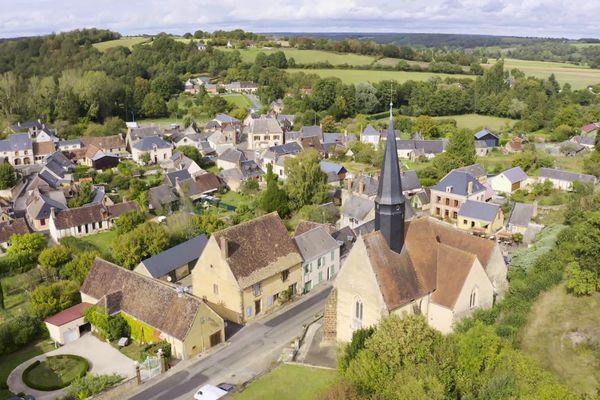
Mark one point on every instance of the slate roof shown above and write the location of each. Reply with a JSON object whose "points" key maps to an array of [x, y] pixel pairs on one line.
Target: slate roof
{"points": [[162, 195], [148, 142], [346, 237], [459, 180], [328, 167], [287, 148], [427, 146], [145, 131], [370, 131], [17, 226], [149, 300], [106, 143], [264, 126], [23, 126], [171, 177], [89, 214], [515, 174], [258, 249], [225, 119], [16, 142], [315, 243], [175, 257], [521, 214], [479, 210], [483, 133], [70, 142], [311, 142], [250, 169], [39, 204], [311, 130], [476, 170], [561, 175], [410, 180], [357, 207], [232, 155], [370, 185]]}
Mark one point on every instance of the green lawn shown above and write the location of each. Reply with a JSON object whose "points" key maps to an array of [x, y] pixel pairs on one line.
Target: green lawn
{"points": [[128, 41], [554, 318], [578, 76], [55, 372], [238, 100], [101, 241], [132, 350], [308, 56], [476, 121], [16, 290], [234, 198], [10, 361], [358, 75], [289, 382]]}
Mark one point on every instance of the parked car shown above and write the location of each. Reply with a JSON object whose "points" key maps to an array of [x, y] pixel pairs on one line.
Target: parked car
{"points": [[209, 392], [228, 387]]}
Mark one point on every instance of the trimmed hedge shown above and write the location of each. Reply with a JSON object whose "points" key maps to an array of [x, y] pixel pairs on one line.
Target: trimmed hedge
{"points": [[82, 369]]}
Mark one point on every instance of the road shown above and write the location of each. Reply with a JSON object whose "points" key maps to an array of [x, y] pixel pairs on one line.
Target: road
{"points": [[250, 352], [255, 101]]}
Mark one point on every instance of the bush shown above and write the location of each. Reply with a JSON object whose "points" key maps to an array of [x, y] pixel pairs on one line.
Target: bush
{"points": [[80, 370], [117, 327], [152, 350], [581, 281], [18, 332], [92, 384]]}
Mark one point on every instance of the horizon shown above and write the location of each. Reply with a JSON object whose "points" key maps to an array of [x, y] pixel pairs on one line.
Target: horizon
{"points": [[528, 18]]}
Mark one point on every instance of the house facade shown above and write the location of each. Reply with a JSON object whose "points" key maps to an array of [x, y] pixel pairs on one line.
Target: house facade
{"points": [[480, 217], [247, 270], [159, 150], [321, 257], [510, 180], [563, 180], [452, 192], [264, 133]]}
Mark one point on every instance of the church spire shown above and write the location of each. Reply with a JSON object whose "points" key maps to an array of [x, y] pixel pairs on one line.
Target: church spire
{"points": [[390, 202]]}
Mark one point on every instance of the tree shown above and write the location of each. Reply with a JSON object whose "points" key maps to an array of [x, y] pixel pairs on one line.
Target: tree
{"points": [[328, 124], [27, 244], [366, 98], [426, 126], [117, 327], [274, 198], [49, 298], [78, 268], [461, 147], [581, 281], [145, 158], [144, 241], [306, 183], [84, 196], [8, 177], [154, 105], [128, 221], [192, 153], [54, 258]]}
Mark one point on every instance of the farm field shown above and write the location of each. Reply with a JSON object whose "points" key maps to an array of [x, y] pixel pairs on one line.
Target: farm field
{"points": [[129, 42], [392, 62], [356, 75], [557, 320], [289, 382], [578, 76], [475, 121], [308, 56]]}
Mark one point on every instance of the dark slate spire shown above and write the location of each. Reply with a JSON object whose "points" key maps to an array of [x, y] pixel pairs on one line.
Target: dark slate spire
{"points": [[390, 202]]}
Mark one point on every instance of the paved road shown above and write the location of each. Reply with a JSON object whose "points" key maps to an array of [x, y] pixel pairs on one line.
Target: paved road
{"points": [[255, 101], [250, 352]]}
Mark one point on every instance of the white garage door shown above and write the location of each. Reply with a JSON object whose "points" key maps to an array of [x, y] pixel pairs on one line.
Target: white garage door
{"points": [[71, 335]]}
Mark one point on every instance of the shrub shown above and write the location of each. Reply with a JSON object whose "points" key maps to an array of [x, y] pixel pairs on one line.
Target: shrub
{"points": [[117, 327], [581, 281], [80, 370], [152, 350], [18, 332], [92, 384]]}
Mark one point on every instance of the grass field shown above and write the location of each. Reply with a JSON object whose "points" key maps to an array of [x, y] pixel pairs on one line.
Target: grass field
{"points": [[476, 121], [549, 334], [129, 42], [578, 76], [238, 100], [357, 75], [309, 56], [10, 361], [392, 62], [289, 382]]}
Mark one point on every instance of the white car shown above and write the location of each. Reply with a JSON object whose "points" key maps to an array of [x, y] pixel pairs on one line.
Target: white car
{"points": [[209, 392]]}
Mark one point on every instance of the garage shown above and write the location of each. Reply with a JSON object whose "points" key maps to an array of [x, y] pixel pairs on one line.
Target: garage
{"points": [[68, 325]]}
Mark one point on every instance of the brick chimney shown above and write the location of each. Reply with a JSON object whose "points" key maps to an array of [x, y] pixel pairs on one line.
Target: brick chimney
{"points": [[224, 247], [361, 187]]}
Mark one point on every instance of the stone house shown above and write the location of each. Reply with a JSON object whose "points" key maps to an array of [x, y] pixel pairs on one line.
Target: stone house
{"points": [[480, 217], [320, 254], [452, 191], [159, 150], [510, 180]]}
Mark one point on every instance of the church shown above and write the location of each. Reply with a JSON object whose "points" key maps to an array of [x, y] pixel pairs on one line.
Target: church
{"points": [[421, 266]]}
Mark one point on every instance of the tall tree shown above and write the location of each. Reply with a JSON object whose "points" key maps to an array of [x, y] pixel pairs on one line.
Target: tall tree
{"points": [[274, 198], [306, 183]]}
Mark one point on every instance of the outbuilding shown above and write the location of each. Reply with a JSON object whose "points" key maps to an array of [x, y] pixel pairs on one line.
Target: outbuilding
{"points": [[68, 325]]}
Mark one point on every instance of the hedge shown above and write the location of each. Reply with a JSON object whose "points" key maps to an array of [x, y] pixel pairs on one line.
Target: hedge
{"points": [[19, 331], [84, 367]]}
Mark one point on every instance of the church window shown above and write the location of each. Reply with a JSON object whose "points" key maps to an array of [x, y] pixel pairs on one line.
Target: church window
{"points": [[473, 299], [358, 310]]}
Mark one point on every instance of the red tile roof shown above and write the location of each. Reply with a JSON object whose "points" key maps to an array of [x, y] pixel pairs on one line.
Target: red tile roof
{"points": [[589, 128], [68, 315]]}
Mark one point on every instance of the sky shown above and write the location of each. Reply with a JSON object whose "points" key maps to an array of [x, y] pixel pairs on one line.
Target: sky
{"points": [[545, 18]]}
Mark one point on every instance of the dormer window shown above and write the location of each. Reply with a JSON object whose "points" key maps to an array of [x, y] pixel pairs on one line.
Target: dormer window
{"points": [[448, 189]]}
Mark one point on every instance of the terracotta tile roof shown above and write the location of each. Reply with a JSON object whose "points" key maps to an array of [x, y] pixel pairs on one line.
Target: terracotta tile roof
{"points": [[453, 266], [153, 302], [89, 214], [395, 273], [14, 227], [104, 142], [305, 226], [258, 249], [68, 315], [207, 182], [43, 148]]}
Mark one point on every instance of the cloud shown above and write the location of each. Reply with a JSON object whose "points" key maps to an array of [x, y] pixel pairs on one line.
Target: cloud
{"points": [[556, 18]]}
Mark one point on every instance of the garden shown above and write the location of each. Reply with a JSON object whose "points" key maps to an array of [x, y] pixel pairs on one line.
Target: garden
{"points": [[55, 372]]}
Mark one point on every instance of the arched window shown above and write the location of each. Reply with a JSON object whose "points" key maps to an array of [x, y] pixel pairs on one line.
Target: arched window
{"points": [[357, 316], [473, 299]]}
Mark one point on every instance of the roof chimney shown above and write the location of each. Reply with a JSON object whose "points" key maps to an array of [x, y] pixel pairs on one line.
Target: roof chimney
{"points": [[224, 247], [349, 181], [470, 187], [53, 213], [361, 186]]}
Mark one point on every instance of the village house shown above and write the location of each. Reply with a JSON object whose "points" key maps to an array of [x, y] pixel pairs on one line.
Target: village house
{"points": [[563, 180], [264, 133], [222, 121], [235, 177], [485, 141], [320, 254], [587, 142], [174, 264], [515, 145], [276, 155], [476, 171], [159, 150], [31, 127], [162, 197], [57, 170], [480, 217], [136, 134], [417, 267], [97, 159], [17, 149], [42, 150], [179, 161], [113, 144], [241, 87], [230, 158], [510, 180], [198, 187], [370, 135], [520, 217], [590, 129], [188, 139], [184, 321], [248, 269], [336, 173], [412, 149], [17, 226], [39, 204], [86, 220], [45, 135], [70, 144], [452, 191]]}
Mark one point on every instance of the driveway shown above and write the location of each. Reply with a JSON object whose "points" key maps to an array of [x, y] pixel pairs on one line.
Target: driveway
{"points": [[103, 359]]}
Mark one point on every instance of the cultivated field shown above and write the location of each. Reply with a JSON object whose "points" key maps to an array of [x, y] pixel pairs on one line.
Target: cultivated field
{"points": [[129, 42], [309, 56], [356, 75], [578, 76], [562, 333]]}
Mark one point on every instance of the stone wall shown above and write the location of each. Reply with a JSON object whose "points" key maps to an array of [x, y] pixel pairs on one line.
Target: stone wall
{"points": [[330, 317]]}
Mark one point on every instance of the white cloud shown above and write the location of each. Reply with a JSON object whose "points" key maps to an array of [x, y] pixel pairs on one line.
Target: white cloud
{"points": [[503, 17]]}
